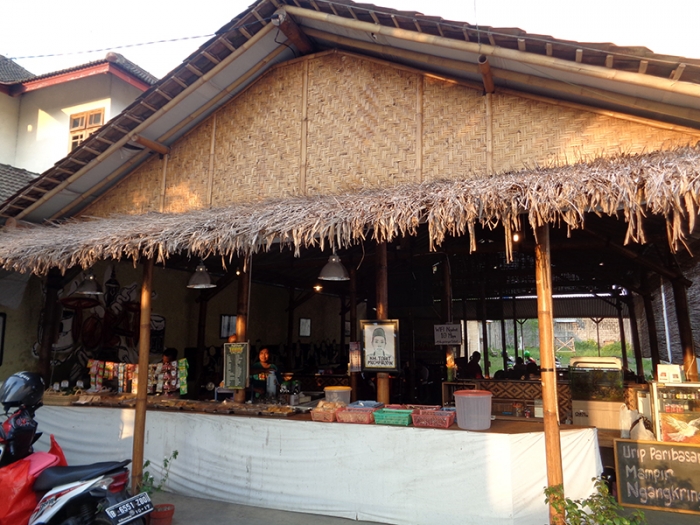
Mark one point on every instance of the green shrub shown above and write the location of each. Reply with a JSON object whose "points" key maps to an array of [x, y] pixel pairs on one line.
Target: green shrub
{"points": [[598, 509]]}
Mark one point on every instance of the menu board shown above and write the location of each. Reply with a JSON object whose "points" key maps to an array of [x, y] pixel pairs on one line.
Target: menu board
{"points": [[658, 475], [235, 365]]}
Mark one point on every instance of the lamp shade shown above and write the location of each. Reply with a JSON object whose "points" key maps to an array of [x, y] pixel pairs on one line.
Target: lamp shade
{"points": [[334, 270], [200, 278], [89, 286]]}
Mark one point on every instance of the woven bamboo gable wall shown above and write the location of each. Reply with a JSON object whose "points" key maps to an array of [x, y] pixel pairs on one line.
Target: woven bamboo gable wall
{"points": [[335, 123]]}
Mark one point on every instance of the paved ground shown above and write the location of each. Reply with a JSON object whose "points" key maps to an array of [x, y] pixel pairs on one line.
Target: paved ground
{"points": [[195, 511]]}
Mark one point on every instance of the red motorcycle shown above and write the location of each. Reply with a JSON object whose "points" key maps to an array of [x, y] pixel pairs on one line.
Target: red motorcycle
{"points": [[38, 488]]}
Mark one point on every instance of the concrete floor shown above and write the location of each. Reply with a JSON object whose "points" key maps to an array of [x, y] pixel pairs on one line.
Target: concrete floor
{"points": [[195, 511]]}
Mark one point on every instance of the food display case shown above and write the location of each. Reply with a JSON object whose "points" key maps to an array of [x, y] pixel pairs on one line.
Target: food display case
{"points": [[597, 391], [676, 409]]}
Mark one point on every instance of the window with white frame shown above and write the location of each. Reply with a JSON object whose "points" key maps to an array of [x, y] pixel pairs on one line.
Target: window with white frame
{"points": [[84, 124]]}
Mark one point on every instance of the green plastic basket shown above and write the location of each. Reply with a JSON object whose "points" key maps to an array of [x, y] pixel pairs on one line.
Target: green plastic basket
{"points": [[390, 416]]}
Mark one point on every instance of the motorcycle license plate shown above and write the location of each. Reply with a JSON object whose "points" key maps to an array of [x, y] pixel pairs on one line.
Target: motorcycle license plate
{"points": [[130, 509]]}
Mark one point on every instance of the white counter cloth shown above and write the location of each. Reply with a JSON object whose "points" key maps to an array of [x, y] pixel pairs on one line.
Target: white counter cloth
{"points": [[398, 475]]}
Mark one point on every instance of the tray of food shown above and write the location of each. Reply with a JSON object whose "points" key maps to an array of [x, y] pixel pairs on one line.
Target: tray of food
{"points": [[393, 416], [326, 411], [432, 418], [362, 415]]}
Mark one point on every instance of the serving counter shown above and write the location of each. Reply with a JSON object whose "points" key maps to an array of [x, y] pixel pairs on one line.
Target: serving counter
{"points": [[387, 474]]}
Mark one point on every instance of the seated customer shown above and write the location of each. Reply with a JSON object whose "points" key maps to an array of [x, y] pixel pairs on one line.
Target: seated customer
{"points": [[473, 368]]}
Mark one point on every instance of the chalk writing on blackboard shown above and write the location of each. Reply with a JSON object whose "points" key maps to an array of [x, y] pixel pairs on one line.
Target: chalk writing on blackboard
{"points": [[658, 475], [235, 365]]}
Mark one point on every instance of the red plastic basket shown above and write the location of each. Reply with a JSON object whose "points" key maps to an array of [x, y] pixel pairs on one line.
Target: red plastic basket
{"points": [[327, 416], [433, 418], [362, 415]]}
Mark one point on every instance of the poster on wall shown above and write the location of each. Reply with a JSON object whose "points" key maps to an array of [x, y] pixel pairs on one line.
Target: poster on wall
{"points": [[235, 365], [381, 345]]}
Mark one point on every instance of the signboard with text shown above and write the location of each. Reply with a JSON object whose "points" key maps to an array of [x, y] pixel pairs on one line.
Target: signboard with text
{"points": [[448, 334], [658, 475], [235, 365]]}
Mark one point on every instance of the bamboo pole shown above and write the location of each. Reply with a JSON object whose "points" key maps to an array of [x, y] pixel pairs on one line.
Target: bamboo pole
{"points": [[242, 317], [690, 365], [161, 207], [383, 394], [515, 328], [353, 327], [504, 348], [304, 128], [486, 77], [545, 317], [420, 88], [479, 48], [212, 156], [597, 94], [142, 387], [489, 134]]}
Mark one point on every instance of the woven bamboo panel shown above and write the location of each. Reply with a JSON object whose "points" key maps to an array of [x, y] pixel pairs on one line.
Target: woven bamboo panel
{"points": [[187, 180], [454, 131], [138, 193], [258, 140], [361, 125], [527, 391], [528, 133]]}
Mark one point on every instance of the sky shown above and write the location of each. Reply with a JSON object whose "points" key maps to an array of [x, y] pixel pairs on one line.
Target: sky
{"points": [[69, 29]]}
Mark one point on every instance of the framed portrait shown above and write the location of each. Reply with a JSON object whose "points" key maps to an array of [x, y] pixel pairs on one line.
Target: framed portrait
{"points": [[304, 327], [228, 326], [380, 343]]}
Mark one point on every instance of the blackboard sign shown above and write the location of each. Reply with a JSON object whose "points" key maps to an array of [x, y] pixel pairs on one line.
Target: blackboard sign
{"points": [[658, 475], [235, 365]]}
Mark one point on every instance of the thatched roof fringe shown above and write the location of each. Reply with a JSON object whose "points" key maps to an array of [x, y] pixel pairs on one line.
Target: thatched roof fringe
{"points": [[661, 183]]}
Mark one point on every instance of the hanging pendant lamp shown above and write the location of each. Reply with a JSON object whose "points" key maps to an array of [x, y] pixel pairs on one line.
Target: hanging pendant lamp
{"points": [[200, 278], [334, 270], [89, 286]]}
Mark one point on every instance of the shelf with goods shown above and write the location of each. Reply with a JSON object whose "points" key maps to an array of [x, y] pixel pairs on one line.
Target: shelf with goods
{"points": [[676, 411]]}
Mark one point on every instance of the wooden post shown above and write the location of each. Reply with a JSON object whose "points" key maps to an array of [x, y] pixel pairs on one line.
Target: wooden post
{"points": [[142, 387], [484, 333], [515, 330], [651, 327], [353, 327], [504, 349], [383, 394], [636, 344], [201, 336], [50, 322], [621, 325], [543, 277], [290, 330], [242, 316], [690, 365], [447, 306]]}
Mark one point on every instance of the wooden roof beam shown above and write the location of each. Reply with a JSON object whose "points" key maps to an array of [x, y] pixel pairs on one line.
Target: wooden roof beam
{"points": [[609, 61], [522, 46], [643, 64], [289, 27], [579, 55], [374, 17], [676, 75], [152, 144], [486, 77]]}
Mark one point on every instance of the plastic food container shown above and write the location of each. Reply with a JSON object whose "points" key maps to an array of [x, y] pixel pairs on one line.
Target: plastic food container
{"points": [[473, 409], [338, 394]]}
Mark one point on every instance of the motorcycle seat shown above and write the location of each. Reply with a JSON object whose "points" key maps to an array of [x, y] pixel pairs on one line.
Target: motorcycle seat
{"points": [[54, 476]]}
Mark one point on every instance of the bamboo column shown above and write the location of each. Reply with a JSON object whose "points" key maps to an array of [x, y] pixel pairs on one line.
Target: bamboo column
{"points": [[690, 365], [504, 349], [515, 329], [353, 327], [201, 335], [290, 330], [242, 316], [636, 344], [50, 321], [383, 394], [142, 387], [543, 277]]}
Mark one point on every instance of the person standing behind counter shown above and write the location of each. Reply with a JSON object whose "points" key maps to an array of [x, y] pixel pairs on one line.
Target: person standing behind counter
{"points": [[259, 372]]}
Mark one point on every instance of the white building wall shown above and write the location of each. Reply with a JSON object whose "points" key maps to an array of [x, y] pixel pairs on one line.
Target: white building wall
{"points": [[42, 137], [9, 115]]}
